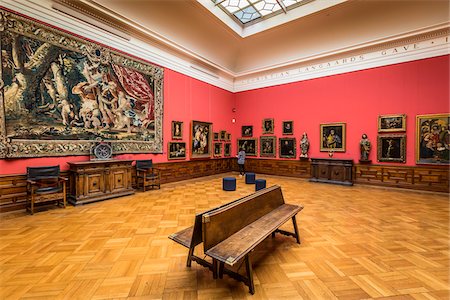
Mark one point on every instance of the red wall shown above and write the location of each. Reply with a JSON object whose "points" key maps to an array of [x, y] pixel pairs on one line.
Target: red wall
{"points": [[185, 99], [356, 98]]}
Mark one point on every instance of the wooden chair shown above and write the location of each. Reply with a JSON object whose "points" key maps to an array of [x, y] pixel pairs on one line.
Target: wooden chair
{"points": [[45, 185], [147, 174]]}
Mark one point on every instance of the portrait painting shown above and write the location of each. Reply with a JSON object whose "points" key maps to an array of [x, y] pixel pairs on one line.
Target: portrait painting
{"points": [[227, 150], [249, 145], [268, 146], [223, 135], [391, 148], [216, 136], [288, 127], [268, 126], [177, 150], [333, 137], [247, 131], [62, 93], [177, 130], [217, 149], [391, 123], [433, 139], [287, 148], [201, 139]]}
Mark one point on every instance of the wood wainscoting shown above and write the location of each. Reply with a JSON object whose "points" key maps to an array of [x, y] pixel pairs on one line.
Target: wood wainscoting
{"points": [[425, 178], [13, 187], [291, 168]]}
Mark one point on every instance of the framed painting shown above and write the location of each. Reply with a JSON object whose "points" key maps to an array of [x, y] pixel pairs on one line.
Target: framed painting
{"points": [[432, 139], [333, 137], [268, 126], [249, 144], [228, 137], [223, 135], [216, 136], [62, 93], [391, 148], [177, 130], [288, 127], [201, 139], [177, 150], [268, 146], [391, 123], [227, 149], [287, 148], [247, 131], [217, 149]]}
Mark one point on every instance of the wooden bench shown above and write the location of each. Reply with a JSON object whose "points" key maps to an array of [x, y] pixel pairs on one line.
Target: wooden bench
{"points": [[264, 210], [192, 237], [231, 232]]}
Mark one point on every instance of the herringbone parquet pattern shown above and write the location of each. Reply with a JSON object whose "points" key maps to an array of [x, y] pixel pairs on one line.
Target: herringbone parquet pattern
{"points": [[357, 243]]}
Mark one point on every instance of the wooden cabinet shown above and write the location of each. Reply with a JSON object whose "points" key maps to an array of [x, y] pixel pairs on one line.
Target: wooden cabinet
{"points": [[99, 180], [338, 171]]}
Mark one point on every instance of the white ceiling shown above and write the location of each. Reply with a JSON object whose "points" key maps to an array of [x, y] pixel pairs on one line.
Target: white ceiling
{"points": [[351, 24]]}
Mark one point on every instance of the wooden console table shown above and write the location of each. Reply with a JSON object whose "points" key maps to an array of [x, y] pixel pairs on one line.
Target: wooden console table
{"points": [[338, 171], [99, 180]]}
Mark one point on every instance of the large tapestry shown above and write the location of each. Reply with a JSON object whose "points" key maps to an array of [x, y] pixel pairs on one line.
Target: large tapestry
{"points": [[60, 94]]}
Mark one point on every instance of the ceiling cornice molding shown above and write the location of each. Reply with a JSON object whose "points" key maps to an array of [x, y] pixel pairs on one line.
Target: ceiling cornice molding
{"points": [[146, 48], [427, 43]]}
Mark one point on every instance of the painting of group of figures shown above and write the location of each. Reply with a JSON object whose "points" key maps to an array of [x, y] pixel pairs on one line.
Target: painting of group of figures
{"points": [[61, 88]]}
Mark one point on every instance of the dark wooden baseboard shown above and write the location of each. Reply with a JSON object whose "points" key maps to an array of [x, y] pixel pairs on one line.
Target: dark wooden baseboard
{"points": [[424, 178]]}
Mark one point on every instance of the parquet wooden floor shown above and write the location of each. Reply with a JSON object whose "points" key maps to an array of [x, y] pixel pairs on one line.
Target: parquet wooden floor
{"points": [[357, 243]]}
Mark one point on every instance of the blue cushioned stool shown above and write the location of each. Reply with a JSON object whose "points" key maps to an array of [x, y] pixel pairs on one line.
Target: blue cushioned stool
{"points": [[229, 184], [260, 184], [250, 178]]}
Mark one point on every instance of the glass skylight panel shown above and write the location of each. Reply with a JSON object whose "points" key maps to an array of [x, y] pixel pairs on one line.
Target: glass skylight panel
{"points": [[288, 3], [247, 14], [234, 5], [266, 7], [244, 11]]}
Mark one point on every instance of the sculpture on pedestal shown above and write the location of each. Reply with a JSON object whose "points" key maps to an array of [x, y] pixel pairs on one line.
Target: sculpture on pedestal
{"points": [[364, 146], [304, 145]]}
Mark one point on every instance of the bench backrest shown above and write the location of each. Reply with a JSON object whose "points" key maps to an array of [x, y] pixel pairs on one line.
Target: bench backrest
{"points": [[221, 223], [197, 236]]}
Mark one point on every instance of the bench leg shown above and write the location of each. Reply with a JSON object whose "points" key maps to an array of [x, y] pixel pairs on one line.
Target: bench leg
{"points": [[214, 268], [297, 236], [221, 266], [248, 266], [189, 260]]}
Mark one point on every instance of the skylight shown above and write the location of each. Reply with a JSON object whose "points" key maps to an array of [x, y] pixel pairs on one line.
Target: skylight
{"points": [[246, 12]]}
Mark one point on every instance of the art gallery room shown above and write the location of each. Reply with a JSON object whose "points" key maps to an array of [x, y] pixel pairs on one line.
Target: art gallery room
{"points": [[224, 149]]}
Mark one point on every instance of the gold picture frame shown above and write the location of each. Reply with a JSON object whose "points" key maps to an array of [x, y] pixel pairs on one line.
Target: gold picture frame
{"points": [[176, 150], [288, 147], [392, 123], [432, 139], [250, 146], [201, 139], [391, 148], [332, 137], [268, 146], [177, 130], [268, 126]]}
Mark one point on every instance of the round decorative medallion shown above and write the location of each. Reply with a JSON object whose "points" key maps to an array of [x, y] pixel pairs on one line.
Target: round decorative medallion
{"points": [[102, 151]]}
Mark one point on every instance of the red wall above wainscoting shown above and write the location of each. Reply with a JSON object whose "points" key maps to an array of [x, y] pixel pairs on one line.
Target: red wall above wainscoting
{"points": [[185, 99], [356, 98]]}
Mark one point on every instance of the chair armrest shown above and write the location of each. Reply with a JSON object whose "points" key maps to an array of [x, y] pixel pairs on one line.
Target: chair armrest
{"points": [[142, 170], [31, 181], [63, 178]]}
